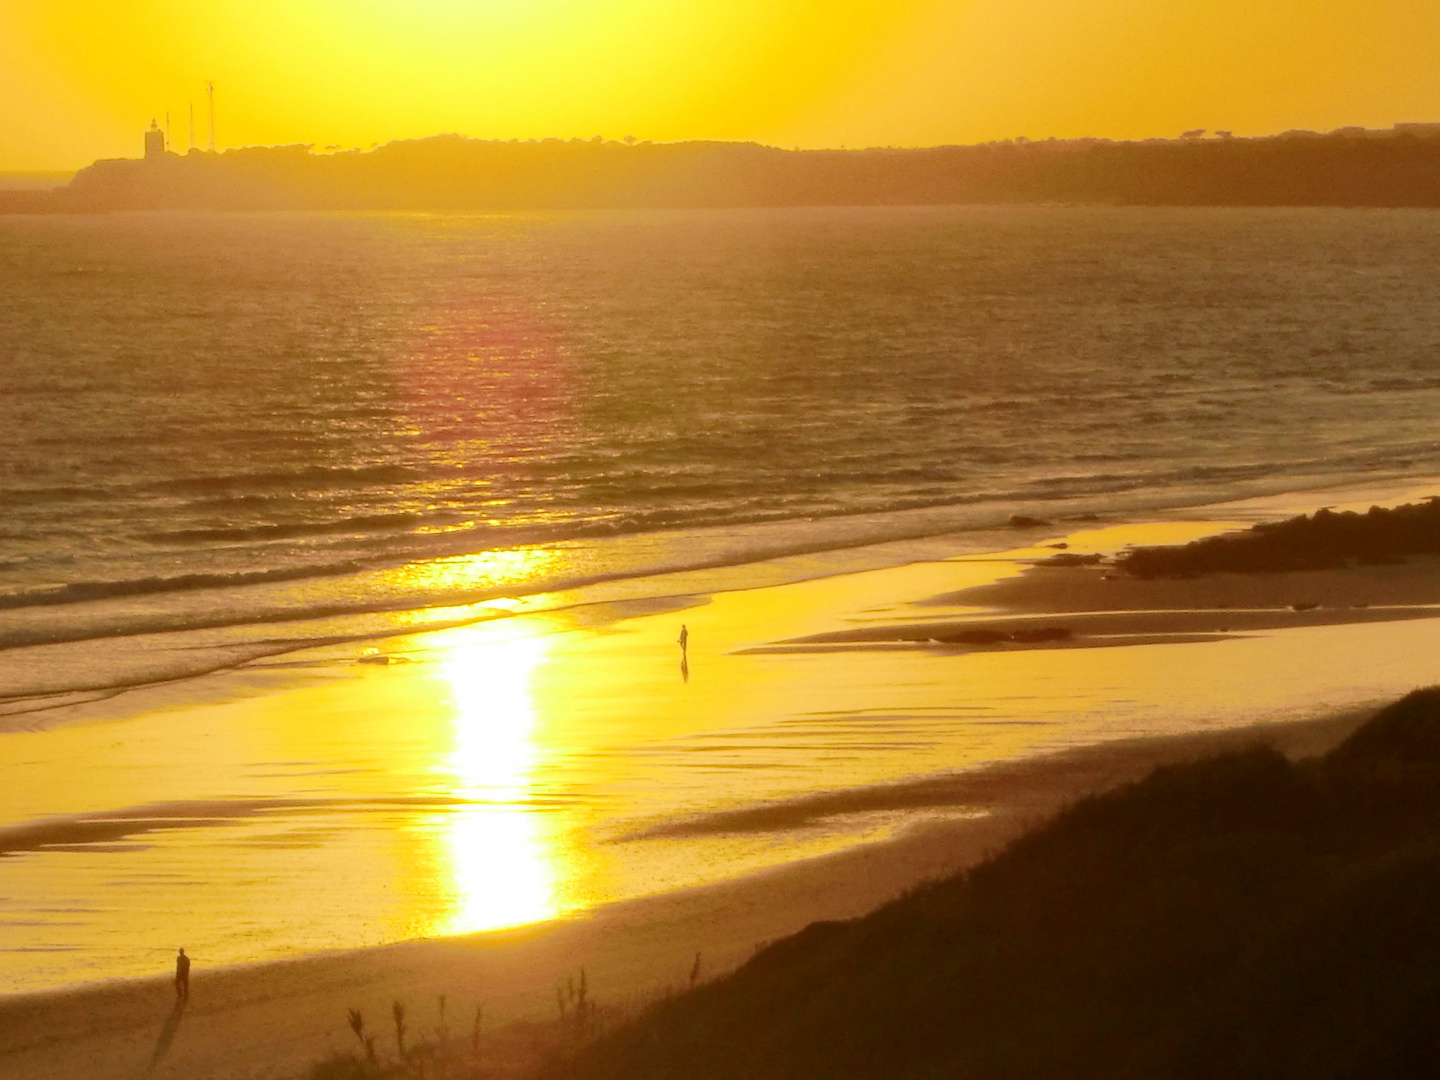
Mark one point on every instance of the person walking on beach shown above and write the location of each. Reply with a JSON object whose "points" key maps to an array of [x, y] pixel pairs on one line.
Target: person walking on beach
{"points": [[182, 976], [684, 639]]}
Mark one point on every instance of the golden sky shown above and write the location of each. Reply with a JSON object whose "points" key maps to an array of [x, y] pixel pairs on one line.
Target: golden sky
{"points": [[79, 79]]}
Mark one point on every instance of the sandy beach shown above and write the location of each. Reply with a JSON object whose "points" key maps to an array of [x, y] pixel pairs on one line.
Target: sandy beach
{"points": [[275, 1020], [793, 853]]}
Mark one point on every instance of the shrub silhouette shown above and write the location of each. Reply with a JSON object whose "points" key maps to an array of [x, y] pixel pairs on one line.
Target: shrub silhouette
{"points": [[1406, 732], [1244, 916], [1322, 541]]}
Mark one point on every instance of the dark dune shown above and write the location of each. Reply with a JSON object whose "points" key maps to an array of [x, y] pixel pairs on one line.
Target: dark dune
{"points": [[1322, 541], [1241, 916]]}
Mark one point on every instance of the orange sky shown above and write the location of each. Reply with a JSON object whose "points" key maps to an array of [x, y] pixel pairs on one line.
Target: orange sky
{"points": [[79, 79]]}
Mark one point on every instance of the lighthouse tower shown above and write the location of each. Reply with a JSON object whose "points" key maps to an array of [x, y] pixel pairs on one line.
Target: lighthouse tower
{"points": [[154, 143]]}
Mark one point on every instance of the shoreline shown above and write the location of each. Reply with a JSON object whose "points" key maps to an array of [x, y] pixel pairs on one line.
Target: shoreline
{"points": [[288, 1013], [277, 1018], [749, 559]]}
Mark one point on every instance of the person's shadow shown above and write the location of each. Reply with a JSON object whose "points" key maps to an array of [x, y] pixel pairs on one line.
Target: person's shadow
{"points": [[167, 1035]]}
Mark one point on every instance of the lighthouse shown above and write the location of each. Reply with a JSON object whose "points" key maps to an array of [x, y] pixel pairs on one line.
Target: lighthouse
{"points": [[154, 143]]}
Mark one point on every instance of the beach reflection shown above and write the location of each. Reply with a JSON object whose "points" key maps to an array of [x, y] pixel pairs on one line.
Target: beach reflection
{"points": [[499, 869]]}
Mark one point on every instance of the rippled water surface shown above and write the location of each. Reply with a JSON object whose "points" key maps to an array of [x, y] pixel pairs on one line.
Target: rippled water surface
{"points": [[193, 402]]}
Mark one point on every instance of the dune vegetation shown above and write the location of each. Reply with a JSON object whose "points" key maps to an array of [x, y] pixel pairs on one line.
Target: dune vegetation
{"points": [[1242, 916], [1324, 540]]}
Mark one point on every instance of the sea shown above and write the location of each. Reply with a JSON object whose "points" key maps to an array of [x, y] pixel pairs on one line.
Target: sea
{"points": [[229, 438]]}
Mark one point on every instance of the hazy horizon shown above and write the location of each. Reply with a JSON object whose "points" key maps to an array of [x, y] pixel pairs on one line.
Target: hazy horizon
{"points": [[87, 78], [34, 179]]}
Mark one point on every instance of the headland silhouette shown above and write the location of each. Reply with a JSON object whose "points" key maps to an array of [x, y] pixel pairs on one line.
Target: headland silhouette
{"points": [[1348, 167]]}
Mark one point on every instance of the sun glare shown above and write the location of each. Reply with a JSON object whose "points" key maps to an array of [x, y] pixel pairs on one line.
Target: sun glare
{"points": [[479, 572], [501, 873]]}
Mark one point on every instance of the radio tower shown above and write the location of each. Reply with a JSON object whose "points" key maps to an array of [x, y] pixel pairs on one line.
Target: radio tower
{"points": [[192, 125], [210, 92]]}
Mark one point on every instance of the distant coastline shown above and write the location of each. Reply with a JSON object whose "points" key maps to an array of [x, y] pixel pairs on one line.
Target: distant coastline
{"points": [[1397, 167], [33, 181]]}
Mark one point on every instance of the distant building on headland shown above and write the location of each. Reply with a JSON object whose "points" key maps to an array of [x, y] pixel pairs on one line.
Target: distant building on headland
{"points": [[154, 142]]}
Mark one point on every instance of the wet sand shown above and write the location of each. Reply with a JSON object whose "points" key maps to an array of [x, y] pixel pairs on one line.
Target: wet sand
{"points": [[275, 1020], [1095, 606]]}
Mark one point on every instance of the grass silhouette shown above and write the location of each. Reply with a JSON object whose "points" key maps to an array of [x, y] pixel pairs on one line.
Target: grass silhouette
{"points": [[1243, 916]]}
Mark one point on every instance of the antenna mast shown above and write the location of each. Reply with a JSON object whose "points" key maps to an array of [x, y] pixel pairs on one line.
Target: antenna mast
{"points": [[192, 125], [210, 92]]}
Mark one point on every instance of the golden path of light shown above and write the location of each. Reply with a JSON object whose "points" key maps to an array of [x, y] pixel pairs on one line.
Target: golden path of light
{"points": [[499, 869], [483, 570]]}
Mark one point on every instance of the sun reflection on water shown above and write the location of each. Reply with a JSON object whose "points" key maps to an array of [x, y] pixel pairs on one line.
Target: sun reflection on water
{"points": [[482, 570], [500, 868]]}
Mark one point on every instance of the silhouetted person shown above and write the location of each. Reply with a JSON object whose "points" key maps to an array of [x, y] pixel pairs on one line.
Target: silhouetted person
{"points": [[684, 638], [182, 976]]}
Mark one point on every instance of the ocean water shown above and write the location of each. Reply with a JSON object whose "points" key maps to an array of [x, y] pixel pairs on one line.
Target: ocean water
{"points": [[233, 421], [225, 438]]}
